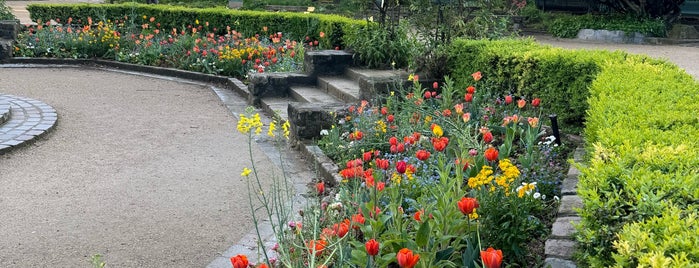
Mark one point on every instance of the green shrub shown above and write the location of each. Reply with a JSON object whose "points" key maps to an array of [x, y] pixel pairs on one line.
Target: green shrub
{"points": [[295, 26], [666, 241], [643, 137], [192, 3], [378, 47], [5, 12], [568, 26]]}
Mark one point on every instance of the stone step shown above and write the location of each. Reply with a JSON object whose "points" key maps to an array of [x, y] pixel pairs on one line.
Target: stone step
{"points": [[308, 94], [359, 73], [5, 111], [343, 88], [276, 106]]}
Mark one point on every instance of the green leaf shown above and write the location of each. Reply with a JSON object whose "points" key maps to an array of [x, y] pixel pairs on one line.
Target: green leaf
{"points": [[443, 254], [423, 234]]}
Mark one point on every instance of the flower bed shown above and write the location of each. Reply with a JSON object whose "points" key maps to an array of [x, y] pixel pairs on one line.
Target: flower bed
{"points": [[143, 41], [433, 178]]}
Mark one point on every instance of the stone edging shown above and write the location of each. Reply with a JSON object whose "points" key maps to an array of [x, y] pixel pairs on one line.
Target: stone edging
{"points": [[560, 246]]}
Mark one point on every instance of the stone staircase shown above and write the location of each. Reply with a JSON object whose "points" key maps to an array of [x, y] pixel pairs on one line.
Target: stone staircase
{"points": [[328, 84]]}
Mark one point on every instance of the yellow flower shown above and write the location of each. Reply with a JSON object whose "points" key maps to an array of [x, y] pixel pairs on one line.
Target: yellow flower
{"points": [[286, 127], [272, 127], [381, 126], [437, 131], [473, 215], [195, 21], [246, 172]]}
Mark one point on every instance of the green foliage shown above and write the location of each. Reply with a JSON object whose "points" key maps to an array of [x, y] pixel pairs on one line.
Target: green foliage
{"points": [[666, 241], [193, 3], [568, 26], [294, 26], [5, 12], [379, 47], [260, 4], [643, 134]]}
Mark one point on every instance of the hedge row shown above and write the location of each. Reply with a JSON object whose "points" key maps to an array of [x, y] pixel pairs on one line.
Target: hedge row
{"points": [[640, 122], [524, 68], [295, 26], [642, 183]]}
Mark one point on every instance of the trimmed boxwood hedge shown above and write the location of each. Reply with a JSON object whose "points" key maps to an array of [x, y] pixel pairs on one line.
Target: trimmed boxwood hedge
{"points": [[295, 26], [641, 124]]}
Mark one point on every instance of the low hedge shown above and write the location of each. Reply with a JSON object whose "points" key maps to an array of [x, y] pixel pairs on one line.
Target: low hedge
{"points": [[295, 26], [568, 26], [641, 126], [643, 136], [558, 76]]}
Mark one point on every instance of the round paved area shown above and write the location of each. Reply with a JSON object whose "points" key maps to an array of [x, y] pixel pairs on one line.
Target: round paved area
{"points": [[23, 120], [141, 170]]}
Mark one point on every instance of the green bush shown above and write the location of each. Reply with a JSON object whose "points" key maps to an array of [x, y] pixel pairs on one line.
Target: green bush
{"points": [[192, 3], [5, 12], [666, 241], [294, 26], [378, 47], [643, 136], [568, 26]]}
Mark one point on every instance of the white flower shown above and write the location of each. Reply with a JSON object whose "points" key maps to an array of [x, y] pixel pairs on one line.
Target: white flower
{"points": [[555, 198], [543, 197], [324, 132], [537, 195]]}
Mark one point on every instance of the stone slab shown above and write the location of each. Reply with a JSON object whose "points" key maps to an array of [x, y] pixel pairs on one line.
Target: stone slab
{"points": [[563, 227], [559, 263], [561, 248], [569, 205]]}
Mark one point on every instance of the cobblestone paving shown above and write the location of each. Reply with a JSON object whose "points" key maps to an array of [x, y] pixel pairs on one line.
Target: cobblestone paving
{"points": [[25, 120]]}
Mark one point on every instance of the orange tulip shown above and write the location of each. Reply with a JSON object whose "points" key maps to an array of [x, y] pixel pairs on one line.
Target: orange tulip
{"points": [[491, 258], [467, 205], [239, 261], [491, 154], [406, 259]]}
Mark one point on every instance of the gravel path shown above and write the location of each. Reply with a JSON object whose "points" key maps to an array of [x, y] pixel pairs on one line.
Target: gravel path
{"points": [[141, 170]]}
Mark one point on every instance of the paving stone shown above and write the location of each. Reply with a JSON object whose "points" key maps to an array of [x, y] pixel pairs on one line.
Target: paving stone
{"points": [[562, 248], [28, 119], [563, 227], [569, 205], [570, 183], [559, 263]]}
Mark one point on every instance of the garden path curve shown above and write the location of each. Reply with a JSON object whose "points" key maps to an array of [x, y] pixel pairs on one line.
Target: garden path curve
{"points": [[143, 171]]}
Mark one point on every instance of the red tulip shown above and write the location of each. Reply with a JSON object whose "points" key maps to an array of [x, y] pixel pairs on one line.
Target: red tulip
{"points": [[488, 137], [341, 229], [320, 188], [372, 247], [357, 219], [418, 215], [406, 259], [422, 155], [393, 141], [239, 261], [401, 166], [435, 85], [508, 99], [470, 89], [440, 143], [467, 205], [427, 95], [367, 156], [468, 97], [491, 258], [382, 163], [491, 154], [536, 102], [390, 118]]}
